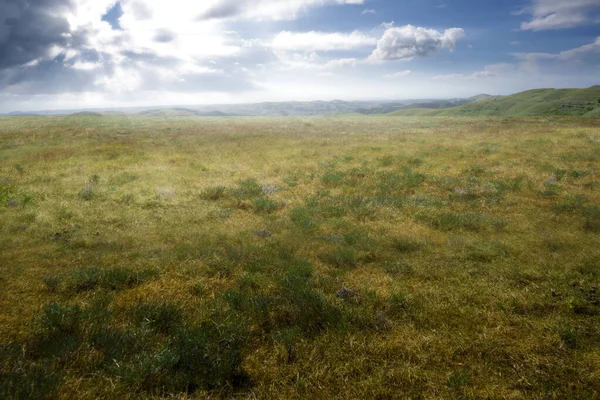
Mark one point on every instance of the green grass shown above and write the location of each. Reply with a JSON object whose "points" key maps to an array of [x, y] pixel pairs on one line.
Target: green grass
{"points": [[538, 102], [338, 257]]}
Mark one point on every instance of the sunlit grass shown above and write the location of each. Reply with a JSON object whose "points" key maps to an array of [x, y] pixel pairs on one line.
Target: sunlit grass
{"points": [[351, 257]]}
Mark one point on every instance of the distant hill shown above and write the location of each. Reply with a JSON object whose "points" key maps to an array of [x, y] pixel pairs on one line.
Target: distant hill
{"points": [[537, 102], [170, 112], [532, 102], [112, 113], [443, 104], [86, 114], [272, 109], [23, 114]]}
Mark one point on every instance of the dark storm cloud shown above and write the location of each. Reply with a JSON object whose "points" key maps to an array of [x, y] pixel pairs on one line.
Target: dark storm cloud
{"points": [[29, 29], [48, 77]]}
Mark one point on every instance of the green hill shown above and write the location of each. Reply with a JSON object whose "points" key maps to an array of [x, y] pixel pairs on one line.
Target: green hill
{"points": [[444, 104], [538, 102]]}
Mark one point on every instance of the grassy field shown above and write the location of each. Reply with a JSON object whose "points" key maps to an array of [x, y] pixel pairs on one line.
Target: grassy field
{"points": [[347, 257]]}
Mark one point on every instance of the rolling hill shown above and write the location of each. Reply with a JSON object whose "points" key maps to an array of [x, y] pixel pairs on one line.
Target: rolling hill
{"points": [[170, 112], [442, 104], [86, 114], [537, 102]]}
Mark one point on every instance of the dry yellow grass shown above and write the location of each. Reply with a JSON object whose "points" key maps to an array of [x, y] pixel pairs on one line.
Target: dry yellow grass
{"points": [[469, 248]]}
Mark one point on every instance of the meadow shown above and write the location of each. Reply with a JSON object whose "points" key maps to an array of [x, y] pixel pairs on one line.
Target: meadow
{"points": [[354, 257]]}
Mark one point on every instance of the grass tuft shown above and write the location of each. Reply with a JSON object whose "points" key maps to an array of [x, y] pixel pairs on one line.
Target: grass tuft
{"points": [[213, 193], [117, 278]]}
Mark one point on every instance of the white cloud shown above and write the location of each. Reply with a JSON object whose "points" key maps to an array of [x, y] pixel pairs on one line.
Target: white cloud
{"points": [[321, 41], [86, 66], [161, 38], [559, 14], [448, 77], [408, 42], [311, 61], [341, 63], [489, 71], [262, 9], [399, 74], [368, 11], [576, 54]]}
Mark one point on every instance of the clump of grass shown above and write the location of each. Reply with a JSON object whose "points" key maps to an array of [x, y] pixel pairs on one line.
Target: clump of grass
{"points": [[95, 179], [576, 173], [128, 198], [397, 268], [248, 189], [448, 221], [398, 304], [405, 244], [551, 190], [52, 283], [198, 289], [583, 305], [333, 178], [458, 379], [392, 182], [158, 354], [82, 280], [360, 206], [341, 257], [123, 179], [264, 205], [416, 161], [88, 192], [499, 224], [386, 161], [592, 219], [487, 252], [25, 379], [589, 267], [571, 204], [250, 283], [57, 331], [213, 193], [567, 335], [476, 170], [205, 356], [159, 316], [219, 268], [116, 278], [291, 180], [304, 307], [289, 338], [303, 219]]}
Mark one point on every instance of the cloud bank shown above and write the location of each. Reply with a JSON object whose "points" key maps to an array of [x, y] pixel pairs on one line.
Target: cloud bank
{"points": [[559, 14]]}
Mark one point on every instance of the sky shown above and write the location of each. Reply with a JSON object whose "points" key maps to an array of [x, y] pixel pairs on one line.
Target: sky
{"points": [[74, 54]]}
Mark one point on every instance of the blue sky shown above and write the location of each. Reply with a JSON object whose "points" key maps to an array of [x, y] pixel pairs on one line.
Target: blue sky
{"points": [[103, 53]]}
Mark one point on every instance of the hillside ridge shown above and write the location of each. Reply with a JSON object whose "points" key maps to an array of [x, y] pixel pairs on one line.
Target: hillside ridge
{"points": [[535, 102]]}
